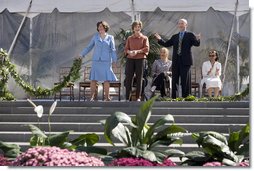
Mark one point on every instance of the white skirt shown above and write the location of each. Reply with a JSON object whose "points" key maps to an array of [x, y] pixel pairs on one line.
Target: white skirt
{"points": [[213, 82]]}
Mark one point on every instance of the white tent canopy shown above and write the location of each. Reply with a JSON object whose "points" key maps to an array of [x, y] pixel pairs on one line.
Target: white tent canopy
{"points": [[47, 6]]}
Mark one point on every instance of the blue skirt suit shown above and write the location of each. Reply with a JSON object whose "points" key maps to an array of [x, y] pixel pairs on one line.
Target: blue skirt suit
{"points": [[103, 56]]}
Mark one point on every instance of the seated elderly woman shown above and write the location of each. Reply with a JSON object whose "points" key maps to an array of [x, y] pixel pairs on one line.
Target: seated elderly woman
{"points": [[211, 72], [161, 71]]}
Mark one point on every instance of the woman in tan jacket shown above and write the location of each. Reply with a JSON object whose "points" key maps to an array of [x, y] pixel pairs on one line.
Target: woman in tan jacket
{"points": [[136, 49]]}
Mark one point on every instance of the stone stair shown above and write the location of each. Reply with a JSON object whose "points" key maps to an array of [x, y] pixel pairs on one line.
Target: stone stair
{"points": [[83, 117]]}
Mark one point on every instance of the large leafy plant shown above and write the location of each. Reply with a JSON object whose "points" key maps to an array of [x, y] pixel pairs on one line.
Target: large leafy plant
{"points": [[140, 138], [216, 148]]}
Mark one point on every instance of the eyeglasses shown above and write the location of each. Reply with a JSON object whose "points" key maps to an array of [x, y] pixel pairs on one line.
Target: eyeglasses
{"points": [[212, 55]]}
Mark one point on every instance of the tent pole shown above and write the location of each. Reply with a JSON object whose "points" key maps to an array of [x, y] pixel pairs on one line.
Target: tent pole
{"points": [[238, 57], [132, 11], [30, 50], [229, 42], [20, 27]]}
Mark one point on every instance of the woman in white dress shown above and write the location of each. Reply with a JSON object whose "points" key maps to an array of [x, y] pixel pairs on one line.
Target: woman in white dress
{"points": [[211, 72]]}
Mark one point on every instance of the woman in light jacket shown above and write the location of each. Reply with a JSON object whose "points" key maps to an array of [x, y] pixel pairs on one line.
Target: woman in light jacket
{"points": [[103, 56]]}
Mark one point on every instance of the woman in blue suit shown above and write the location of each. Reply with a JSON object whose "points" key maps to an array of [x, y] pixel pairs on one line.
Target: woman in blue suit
{"points": [[103, 56], [182, 57]]}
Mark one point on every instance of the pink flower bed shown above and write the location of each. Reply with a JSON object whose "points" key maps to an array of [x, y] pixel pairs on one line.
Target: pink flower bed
{"points": [[4, 161], [243, 164], [54, 156]]}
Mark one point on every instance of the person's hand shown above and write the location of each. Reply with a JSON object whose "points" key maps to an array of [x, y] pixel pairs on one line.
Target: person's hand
{"points": [[78, 57], [114, 64], [198, 36], [217, 71], [209, 71], [157, 36], [132, 52], [169, 73]]}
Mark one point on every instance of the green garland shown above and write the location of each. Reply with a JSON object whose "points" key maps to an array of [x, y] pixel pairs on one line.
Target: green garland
{"points": [[8, 68]]}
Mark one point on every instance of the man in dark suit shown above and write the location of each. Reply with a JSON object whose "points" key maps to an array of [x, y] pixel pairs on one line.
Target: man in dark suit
{"points": [[182, 57]]}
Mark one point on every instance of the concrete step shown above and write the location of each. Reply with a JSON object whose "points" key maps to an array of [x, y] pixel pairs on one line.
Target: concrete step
{"points": [[86, 118], [97, 127], [131, 110], [83, 117], [240, 104]]}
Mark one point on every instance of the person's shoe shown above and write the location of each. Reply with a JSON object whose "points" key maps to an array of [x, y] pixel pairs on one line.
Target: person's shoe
{"points": [[138, 100], [153, 88], [92, 100], [107, 99]]}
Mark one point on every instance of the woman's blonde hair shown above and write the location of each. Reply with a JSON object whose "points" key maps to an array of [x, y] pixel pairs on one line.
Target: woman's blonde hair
{"points": [[165, 49]]}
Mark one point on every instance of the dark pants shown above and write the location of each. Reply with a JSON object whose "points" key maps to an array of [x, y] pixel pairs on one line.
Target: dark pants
{"points": [[159, 83], [134, 66], [183, 71]]}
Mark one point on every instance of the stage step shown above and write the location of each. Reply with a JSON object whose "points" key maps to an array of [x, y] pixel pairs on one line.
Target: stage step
{"points": [[83, 117]]}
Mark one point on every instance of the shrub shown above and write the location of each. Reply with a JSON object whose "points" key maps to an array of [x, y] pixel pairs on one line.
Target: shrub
{"points": [[131, 161], [142, 139], [54, 156]]}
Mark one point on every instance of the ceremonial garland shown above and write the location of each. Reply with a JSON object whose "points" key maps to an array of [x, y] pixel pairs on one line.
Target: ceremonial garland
{"points": [[8, 68]]}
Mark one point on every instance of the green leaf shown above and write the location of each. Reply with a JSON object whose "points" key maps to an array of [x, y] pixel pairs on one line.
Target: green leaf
{"points": [[149, 155], [58, 139], [37, 141], [112, 122], [228, 162], [136, 152], [216, 135], [174, 153], [122, 133], [196, 156], [36, 131], [239, 141], [233, 141], [86, 139], [172, 130], [92, 149], [218, 149], [161, 122], [10, 150], [141, 120], [160, 156]]}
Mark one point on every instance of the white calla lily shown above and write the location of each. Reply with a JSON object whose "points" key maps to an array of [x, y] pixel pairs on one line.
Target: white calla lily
{"points": [[52, 108], [39, 111], [32, 103]]}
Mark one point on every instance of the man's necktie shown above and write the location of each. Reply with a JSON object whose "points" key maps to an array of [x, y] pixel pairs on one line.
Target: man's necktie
{"points": [[180, 43]]}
